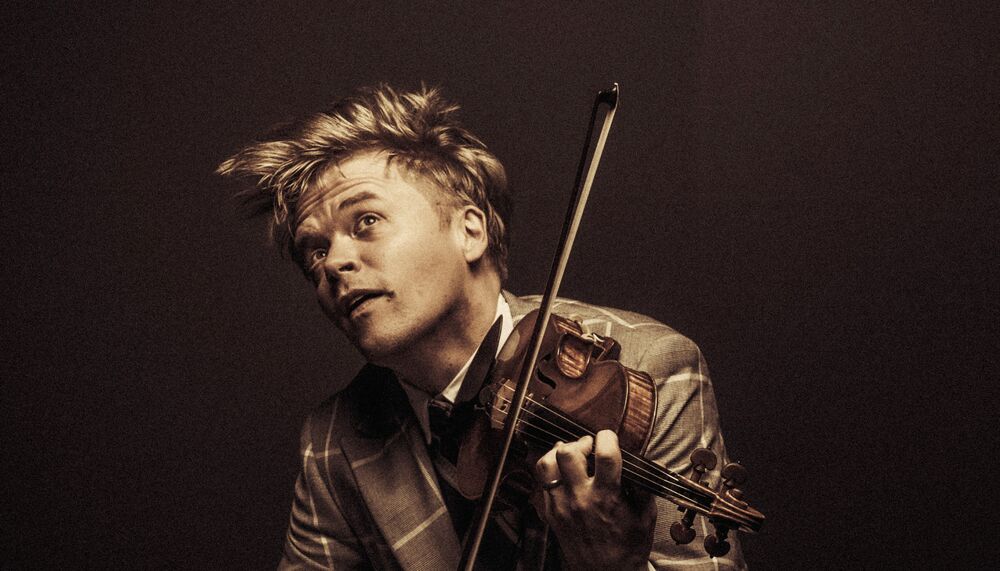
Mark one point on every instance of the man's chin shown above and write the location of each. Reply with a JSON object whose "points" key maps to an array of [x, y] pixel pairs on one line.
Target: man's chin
{"points": [[375, 350], [390, 348]]}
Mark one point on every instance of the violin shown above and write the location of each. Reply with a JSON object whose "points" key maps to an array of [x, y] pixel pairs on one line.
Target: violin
{"points": [[580, 388], [554, 382]]}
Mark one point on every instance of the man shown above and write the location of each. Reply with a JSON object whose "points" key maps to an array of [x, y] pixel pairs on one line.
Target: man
{"points": [[397, 215]]}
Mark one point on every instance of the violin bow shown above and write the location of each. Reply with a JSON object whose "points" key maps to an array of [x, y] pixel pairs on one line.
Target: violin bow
{"points": [[574, 215]]}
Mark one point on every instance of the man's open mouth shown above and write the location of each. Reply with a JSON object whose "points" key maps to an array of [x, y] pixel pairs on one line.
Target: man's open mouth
{"points": [[358, 300]]}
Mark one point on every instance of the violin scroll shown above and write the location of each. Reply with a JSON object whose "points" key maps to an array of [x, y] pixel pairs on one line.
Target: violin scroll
{"points": [[728, 510], [733, 474], [702, 460]]}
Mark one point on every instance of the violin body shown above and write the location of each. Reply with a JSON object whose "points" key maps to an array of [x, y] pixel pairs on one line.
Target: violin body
{"points": [[578, 385]]}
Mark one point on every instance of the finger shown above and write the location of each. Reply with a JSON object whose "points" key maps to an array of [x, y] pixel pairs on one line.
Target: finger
{"points": [[547, 468], [572, 459], [546, 472], [607, 460]]}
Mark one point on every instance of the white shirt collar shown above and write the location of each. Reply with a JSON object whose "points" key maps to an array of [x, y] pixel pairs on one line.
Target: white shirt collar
{"points": [[419, 399]]}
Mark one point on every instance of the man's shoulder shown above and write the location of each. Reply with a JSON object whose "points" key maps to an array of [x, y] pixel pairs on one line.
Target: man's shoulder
{"points": [[636, 332], [598, 319]]}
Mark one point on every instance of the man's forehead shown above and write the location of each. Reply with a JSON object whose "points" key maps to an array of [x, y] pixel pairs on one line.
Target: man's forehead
{"points": [[373, 163], [370, 172], [335, 183]]}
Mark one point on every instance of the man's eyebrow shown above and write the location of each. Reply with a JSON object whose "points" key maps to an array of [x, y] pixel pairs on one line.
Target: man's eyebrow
{"points": [[356, 198]]}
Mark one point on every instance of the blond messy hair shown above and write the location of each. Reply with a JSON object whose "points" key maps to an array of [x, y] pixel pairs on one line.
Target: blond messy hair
{"points": [[418, 129]]}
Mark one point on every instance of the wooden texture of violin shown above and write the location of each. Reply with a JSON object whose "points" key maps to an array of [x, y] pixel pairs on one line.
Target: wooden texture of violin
{"points": [[577, 388]]}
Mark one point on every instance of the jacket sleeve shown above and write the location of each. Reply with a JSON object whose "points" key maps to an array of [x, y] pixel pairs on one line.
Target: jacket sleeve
{"points": [[319, 536], [686, 418]]}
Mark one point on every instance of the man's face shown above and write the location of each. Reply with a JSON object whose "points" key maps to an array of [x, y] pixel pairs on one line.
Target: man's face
{"points": [[389, 272]]}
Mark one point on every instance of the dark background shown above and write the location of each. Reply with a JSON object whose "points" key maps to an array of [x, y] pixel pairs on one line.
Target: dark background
{"points": [[808, 191]]}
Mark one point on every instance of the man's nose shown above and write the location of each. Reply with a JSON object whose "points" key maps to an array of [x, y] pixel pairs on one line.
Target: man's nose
{"points": [[342, 258]]}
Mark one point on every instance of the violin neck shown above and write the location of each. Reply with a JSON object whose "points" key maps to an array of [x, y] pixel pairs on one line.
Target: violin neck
{"points": [[543, 426]]}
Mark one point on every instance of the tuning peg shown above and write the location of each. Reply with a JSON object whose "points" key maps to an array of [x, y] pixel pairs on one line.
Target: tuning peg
{"points": [[733, 475], [702, 460], [681, 531], [716, 544]]}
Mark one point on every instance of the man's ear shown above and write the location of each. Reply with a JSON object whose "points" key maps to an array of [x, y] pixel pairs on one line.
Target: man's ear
{"points": [[474, 237]]}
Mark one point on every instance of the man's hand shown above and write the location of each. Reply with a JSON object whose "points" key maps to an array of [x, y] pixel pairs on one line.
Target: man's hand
{"points": [[597, 525]]}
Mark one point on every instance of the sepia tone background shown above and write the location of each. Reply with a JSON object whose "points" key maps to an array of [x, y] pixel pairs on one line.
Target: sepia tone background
{"points": [[809, 192]]}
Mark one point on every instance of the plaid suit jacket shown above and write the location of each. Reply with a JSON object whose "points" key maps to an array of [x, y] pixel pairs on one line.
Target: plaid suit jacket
{"points": [[368, 496]]}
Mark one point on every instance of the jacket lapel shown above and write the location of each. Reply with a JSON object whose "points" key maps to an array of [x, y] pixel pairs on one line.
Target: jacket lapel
{"points": [[396, 480]]}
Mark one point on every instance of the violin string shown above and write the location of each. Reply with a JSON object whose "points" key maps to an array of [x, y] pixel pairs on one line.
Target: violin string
{"points": [[637, 461], [628, 459], [645, 471], [660, 489], [636, 479], [640, 482], [645, 480]]}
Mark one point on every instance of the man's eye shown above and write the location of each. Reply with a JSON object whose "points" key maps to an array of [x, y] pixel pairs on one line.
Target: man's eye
{"points": [[366, 221], [316, 256]]}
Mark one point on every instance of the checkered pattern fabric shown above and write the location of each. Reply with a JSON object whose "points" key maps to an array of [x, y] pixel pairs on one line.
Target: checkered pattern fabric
{"points": [[369, 496]]}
